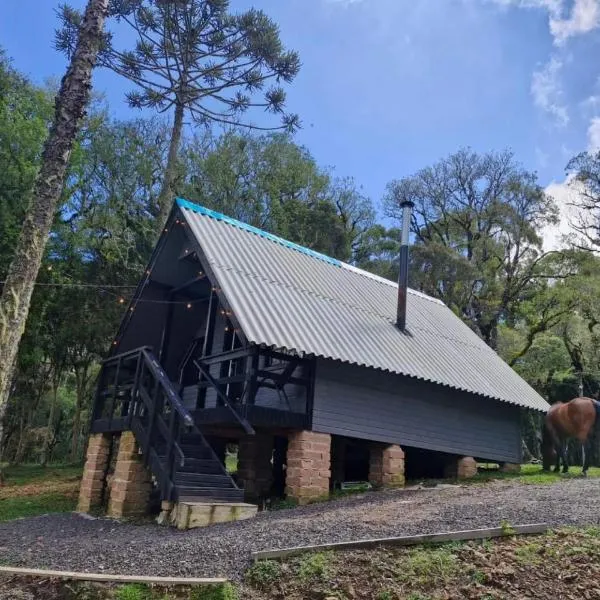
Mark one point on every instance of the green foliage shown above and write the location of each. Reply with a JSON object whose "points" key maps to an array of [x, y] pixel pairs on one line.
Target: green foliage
{"points": [[529, 554], [133, 591], [314, 566], [272, 183], [476, 219], [25, 111], [507, 528], [223, 591], [424, 564], [264, 573], [40, 504], [385, 595]]}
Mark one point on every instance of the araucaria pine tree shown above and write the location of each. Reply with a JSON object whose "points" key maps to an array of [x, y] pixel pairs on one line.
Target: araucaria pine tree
{"points": [[195, 58]]}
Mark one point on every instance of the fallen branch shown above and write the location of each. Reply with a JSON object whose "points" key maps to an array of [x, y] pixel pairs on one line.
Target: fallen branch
{"points": [[111, 578], [411, 540]]}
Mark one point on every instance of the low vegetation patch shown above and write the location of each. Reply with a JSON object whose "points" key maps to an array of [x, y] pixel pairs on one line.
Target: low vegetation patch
{"points": [[562, 564], [29, 588], [532, 474], [31, 490]]}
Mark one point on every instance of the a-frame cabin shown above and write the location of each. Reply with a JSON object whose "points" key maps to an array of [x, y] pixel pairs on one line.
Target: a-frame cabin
{"points": [[235, 336]]}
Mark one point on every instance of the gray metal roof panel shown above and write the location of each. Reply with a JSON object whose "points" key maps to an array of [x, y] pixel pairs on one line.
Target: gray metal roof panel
{"points": [[294, 299]]}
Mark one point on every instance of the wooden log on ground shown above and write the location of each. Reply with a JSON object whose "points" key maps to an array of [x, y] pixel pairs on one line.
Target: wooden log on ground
{"points": [[410, 540], [112, 578]]}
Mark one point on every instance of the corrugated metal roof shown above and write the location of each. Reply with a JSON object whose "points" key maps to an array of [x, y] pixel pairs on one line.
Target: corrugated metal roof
{"points": [[294, 299]]}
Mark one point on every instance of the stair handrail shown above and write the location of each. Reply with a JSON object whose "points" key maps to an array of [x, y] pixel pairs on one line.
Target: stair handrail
{"points": [[244, 423], [167, 386], [145, 360]]}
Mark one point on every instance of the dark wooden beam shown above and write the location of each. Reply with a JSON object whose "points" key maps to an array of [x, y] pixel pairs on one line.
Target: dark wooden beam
{"points": [[166, 334], [310, 392], [226, 356], [209, 335]]}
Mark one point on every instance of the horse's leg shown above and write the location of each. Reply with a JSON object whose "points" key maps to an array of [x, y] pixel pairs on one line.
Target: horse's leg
{"points": [[558, 450], [584, 458], [588, 449], [565, 457]]}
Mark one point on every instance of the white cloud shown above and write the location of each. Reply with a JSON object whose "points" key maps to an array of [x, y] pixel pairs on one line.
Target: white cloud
{"points": [[593, 134], [565, 195], [547, 91], [583, 16]]}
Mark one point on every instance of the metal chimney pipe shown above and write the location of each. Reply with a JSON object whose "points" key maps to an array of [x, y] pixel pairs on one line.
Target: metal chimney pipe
{"points": [[407, 207]]}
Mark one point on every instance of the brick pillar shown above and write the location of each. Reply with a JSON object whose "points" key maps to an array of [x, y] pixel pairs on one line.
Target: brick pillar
{"points": [[255, 469], [510, 468], [308, 466], [96, 463], [130, 489], [386, 466], [461, 468]]}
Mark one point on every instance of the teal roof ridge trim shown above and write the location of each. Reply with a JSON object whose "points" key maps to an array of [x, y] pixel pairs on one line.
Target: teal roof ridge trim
{"points": [[213, 214]]}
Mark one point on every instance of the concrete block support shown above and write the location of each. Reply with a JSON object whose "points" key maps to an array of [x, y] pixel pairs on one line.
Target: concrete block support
{"points": [[386, 466], [130, 490], [255, 467], [94, 472], [462, 468], [308, 466]]}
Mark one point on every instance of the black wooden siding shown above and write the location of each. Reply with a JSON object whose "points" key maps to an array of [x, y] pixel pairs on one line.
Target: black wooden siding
{"points": [[367, 404]]}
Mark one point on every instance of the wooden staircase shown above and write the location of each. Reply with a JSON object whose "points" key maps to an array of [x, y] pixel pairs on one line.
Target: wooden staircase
{"points": [[135, 393]]}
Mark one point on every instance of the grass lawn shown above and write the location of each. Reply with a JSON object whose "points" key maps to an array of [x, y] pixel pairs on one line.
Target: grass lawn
{"points": [[532, 474], [31, 490]]}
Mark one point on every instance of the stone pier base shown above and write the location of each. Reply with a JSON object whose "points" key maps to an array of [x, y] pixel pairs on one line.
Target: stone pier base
{"points": [[386, 466], [308, 466], [462, 468], [130, 489], [255, 467], [94, 472]]}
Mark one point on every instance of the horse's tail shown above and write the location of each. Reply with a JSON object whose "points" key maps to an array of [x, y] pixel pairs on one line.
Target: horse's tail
{"points": [[597, 407]]}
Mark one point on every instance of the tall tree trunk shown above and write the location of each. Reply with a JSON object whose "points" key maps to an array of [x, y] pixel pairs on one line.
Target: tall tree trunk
{"points": [[50, 426], [82, 378], [71, 103], [167, 191]]}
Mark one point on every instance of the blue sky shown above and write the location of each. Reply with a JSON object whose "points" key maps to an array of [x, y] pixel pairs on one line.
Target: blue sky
{"points": [[390, 86]]}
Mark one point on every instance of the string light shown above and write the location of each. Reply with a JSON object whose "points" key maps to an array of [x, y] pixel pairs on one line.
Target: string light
{"points": [[121, 300], [189, 305]]}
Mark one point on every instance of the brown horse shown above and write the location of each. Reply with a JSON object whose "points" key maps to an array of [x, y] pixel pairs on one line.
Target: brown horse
{"points": [[575, 419]]}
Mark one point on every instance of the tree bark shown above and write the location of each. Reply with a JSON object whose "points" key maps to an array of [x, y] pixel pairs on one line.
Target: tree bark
{"points": [[71, 104], [50, 426], [167, 191], [82, 379]]}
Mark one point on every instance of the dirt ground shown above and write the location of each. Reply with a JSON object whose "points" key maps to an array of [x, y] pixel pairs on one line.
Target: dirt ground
{"points": [[561, 565]]}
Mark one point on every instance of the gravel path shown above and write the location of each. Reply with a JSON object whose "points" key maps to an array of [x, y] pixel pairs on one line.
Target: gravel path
{"points": [[73, 542]]}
